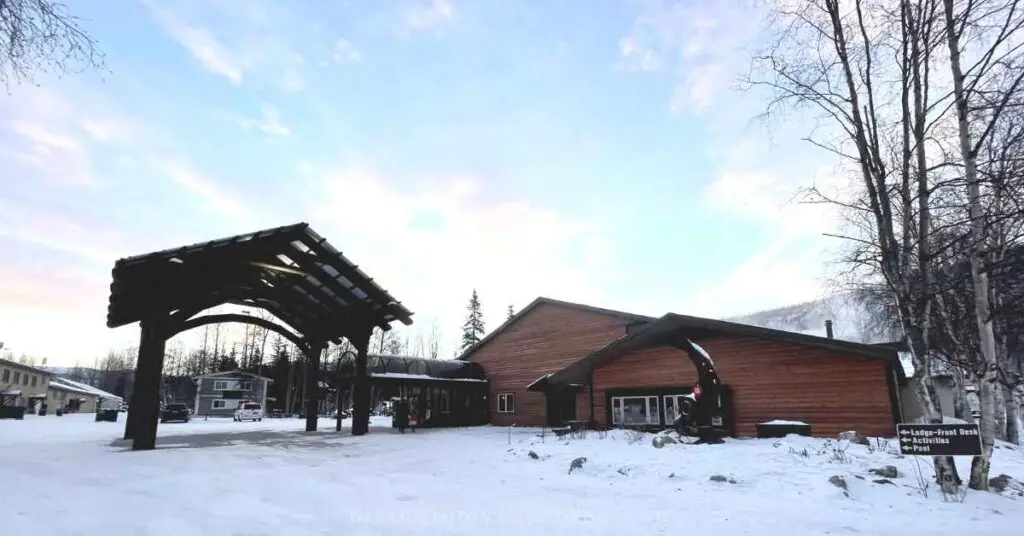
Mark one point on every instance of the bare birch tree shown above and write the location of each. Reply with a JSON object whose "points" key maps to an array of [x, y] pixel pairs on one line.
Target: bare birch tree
{"points": [[434, 341], [43, 36], [865, 68], [993, 27]]}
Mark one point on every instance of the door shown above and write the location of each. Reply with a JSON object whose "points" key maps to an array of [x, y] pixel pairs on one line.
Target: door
{"points": [[561, 407]]}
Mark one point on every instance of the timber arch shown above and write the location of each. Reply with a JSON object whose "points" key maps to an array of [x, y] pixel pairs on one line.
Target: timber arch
{"points": [[291, 272], [204, 320]]}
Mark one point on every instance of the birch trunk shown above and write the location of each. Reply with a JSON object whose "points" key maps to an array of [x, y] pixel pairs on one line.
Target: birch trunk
{"points": [[979, 278], [1013, 416], [946, 475], [961, 409], [999, 410]]}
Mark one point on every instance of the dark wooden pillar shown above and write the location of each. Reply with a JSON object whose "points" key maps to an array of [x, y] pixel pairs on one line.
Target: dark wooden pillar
{"points": [[145, 406], [313, 352], [361, 383], [341, 395]]}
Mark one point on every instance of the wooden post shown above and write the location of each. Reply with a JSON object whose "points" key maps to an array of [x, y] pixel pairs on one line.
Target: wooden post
{"points": [[313, 352], [361, 384], [145, 407]]}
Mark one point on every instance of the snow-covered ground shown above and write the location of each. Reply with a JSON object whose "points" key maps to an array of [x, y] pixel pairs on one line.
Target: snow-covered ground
{"points": [[71, 476]]}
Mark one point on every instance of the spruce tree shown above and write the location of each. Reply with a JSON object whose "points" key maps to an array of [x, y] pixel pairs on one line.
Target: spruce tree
{"points": [[473, 329]]}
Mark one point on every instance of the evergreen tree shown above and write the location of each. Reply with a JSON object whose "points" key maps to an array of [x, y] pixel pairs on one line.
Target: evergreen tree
{"points": [[511, 313], [473, 329]]}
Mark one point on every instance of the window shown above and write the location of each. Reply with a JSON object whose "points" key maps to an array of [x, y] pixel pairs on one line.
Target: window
{"points": [[220, 385], [672, 403], [245, 386], [225, 404], [446, 402], [33, 381], [7, 376], [506, 403], [634, 410], [17, 378], [24, 380]]}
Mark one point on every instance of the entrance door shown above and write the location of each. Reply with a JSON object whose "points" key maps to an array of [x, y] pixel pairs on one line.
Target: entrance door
{"points": [[561, 407]]}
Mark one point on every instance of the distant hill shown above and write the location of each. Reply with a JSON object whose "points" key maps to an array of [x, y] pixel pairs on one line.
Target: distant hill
{"points": [[851, 321]]}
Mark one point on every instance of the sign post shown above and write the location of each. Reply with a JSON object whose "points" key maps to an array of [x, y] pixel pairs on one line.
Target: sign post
{"points": [[939, 439]]}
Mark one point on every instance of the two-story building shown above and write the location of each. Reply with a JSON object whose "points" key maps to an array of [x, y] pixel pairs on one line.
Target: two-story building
{"points": [[22, 385], [219, 394]]}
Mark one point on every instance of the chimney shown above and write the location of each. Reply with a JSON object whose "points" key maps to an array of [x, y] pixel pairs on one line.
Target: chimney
{"points": [[828, 329]]}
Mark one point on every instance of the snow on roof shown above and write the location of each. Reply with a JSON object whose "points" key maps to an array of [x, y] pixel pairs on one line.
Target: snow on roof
{"points": [[423, 377], [11, 392], [232, 374], [538, 380], [78, 387]]}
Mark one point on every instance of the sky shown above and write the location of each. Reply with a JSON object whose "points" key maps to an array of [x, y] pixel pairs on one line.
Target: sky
{"points": [[601, 152]]}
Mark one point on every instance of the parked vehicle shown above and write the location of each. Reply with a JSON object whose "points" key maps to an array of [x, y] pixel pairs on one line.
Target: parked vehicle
{"points": [[174, 412], [249, 411]]}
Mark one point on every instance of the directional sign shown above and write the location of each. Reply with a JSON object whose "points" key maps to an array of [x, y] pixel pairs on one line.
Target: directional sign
{"points": [[939, 439]]}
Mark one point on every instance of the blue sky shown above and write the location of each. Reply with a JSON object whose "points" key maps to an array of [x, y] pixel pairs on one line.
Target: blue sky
{"points": [[589, 151]]}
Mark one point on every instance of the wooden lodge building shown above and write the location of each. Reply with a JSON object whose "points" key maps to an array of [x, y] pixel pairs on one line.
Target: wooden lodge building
{"points": [[556, 362]]}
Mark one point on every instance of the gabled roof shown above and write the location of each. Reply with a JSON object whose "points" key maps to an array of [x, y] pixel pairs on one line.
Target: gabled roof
{"points": [[659, 331], [23, 366], [232, 374], [628, 317], [290, 271]]}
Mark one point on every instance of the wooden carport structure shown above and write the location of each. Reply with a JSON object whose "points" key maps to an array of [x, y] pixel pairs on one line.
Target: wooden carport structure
{"points": [[291, 272]]}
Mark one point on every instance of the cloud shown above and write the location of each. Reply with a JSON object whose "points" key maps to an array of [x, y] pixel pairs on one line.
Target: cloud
{"points": [[252, 40], [432, 241], [40, 140], [55, 313], [270, 123], [110, 129], [346, 51], [425, 16], [703, 48], [221, 202], [33, 225], [700, 44]]}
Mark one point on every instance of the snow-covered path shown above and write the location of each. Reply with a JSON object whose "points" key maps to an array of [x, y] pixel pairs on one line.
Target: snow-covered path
{"points": [[69, 476]]}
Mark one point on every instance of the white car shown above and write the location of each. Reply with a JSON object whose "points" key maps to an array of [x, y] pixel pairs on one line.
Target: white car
{"points": [[249, 411]]}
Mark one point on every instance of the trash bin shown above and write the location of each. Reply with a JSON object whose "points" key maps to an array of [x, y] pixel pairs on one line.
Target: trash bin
{"points": [[42, 410], [60, 412]]}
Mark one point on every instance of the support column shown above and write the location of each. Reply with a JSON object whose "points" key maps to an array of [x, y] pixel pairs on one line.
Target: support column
{"points": [[313, 384], [340, 396], [361, 383], [145, 407]]}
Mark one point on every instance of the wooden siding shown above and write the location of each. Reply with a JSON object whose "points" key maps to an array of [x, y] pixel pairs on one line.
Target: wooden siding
{"points": [[770, 380], [543, 341]]}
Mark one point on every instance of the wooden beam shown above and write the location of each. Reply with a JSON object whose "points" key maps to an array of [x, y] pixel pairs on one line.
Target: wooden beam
{"points": [[192, 323]]}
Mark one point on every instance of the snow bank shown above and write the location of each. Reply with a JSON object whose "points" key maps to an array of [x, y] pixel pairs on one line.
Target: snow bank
{"points": [[220, 477]]}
